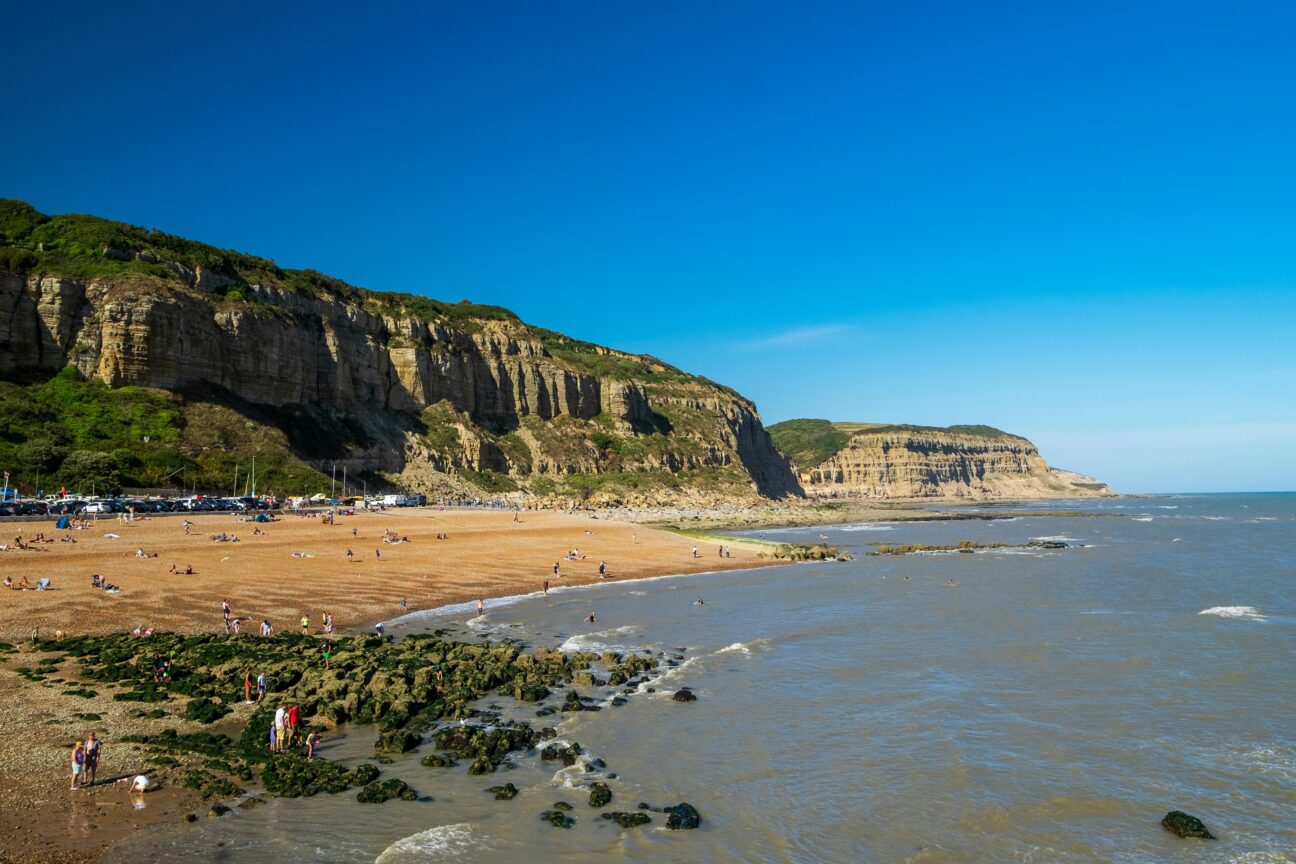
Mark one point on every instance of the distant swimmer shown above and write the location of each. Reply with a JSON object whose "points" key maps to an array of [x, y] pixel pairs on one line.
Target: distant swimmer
{"points": [[591, 618], [952, 583], [698, 602], [546, 587], [378, 628]]}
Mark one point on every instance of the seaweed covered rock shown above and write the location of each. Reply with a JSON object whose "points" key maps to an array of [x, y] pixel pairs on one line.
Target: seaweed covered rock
{"points": [[600, 795], [485, 746], [397, 741], [567, 755], [385, 790], [684, 694], [507, 792], [628, 820], [438, 760], [293, 776], [362, 775], [531, 692], [203, 710], [682, 816], [1182, 824], [557, 819]]}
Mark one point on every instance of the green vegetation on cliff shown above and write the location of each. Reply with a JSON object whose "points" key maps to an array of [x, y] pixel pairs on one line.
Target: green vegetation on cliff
{"points": [[68, 431], [808, 442], [812, 442]]}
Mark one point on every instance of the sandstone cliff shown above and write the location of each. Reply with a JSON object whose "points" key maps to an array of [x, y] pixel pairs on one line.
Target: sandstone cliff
{"points": [[398, 384], [860, 460]]}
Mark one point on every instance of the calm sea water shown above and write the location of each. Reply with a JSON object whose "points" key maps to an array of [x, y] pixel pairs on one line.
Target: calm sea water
{"points": [[999, 706]]}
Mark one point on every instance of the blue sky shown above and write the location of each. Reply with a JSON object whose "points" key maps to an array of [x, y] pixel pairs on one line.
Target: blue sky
{"points": [[1072, 221]]}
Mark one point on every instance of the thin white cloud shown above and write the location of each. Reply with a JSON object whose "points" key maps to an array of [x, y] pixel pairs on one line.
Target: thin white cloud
{"points": [[797, 336]]}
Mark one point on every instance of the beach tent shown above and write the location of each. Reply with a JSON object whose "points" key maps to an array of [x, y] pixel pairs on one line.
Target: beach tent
{"points": [[261, 517], [63, 523]]}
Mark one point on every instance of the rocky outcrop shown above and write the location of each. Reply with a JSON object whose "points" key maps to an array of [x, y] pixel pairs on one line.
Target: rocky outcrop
{"points": [[885, 462]]}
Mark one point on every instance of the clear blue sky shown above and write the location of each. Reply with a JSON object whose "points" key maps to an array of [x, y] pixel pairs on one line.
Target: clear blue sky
{"points": [[1072, 221]]}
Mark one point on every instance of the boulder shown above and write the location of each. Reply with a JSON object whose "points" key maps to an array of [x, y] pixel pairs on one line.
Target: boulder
{"points": [[558, 819], [397, 741], [507, 792], [628, 820], [600, 795], [438, 760], [682, 816], [1181, 824], [684, 694], [385, 790]]}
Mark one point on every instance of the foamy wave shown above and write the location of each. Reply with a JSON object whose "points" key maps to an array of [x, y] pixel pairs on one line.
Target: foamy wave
{"points": [[1245, 613], [735, 648], [445, 842], [865, 528], [1140, 518], [1263, 857], [600, 640], [1272, 762]]}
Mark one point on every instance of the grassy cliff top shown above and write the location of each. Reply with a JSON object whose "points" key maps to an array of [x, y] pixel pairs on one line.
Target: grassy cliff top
{"points": [[812, 442]]}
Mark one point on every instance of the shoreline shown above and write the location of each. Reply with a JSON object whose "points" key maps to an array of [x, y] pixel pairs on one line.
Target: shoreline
{"points": [[486, 555]]}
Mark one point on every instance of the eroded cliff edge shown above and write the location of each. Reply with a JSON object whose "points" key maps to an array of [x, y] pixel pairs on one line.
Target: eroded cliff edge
{"points": [[380, 382], [882, 461]]}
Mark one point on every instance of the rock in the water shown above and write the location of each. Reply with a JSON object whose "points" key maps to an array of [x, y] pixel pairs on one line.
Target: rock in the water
{"points": [[600, 795], [399, 741], [438, 760], [628, 820], [507, 792], [217, 811], [562, 805], [1181, 824], [682, 816], [558, 819], [684, 694], [482, 765], [362, 775], [376, 793]]}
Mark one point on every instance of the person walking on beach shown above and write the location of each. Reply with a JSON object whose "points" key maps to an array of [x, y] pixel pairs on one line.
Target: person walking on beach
{"points": [[546, 588], [225, 613], [247, 687], [695, 552], [266, 629], [556, 573], [602, 569], [91, 758], [78, 763], [187, 526], [305, 622], [350, 555], [261, 687]]}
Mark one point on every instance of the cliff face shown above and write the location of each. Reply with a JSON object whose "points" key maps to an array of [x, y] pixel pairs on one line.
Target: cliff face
{"points": [[874, 461], [427, 388]]}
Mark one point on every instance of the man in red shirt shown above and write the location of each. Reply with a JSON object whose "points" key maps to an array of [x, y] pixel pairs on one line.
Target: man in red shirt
{"points": [[292, 725]]}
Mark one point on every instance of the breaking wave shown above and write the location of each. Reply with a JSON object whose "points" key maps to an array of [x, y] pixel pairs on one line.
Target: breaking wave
{"points": [[445, 842], [1245, 613]]}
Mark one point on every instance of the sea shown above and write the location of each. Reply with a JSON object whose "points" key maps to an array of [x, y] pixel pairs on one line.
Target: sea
{"points": [[1019, 704]]}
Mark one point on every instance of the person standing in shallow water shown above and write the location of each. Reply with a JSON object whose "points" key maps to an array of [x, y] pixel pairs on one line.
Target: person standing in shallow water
{"points": [[91, 758], [78, 763]]}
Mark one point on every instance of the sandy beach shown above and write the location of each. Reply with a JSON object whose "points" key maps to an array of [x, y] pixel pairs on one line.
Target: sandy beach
{"points": [[297, 566]]}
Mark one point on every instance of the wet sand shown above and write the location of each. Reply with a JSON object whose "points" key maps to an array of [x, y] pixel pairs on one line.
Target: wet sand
{"points": [[486, 554]]}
